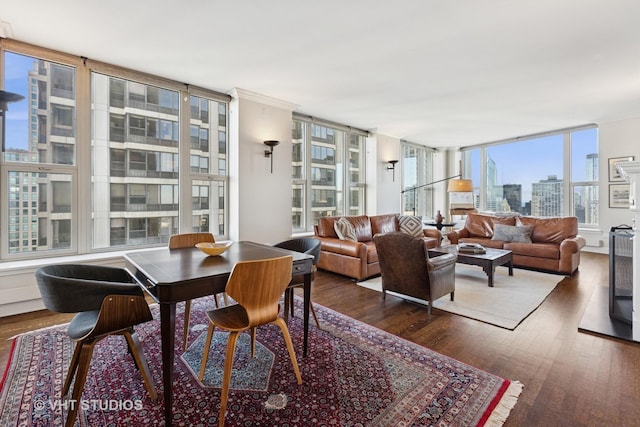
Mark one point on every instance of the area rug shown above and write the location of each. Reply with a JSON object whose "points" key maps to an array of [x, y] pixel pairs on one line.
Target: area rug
{"points": [[355, 375], [511, 299]]}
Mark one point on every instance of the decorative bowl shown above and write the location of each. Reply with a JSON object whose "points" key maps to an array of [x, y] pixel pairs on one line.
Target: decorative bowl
{"points": [[213, 248]]}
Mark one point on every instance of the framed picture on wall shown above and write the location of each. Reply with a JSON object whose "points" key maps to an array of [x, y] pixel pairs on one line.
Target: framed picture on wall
{"points": [[619, 195], [614, 176]]}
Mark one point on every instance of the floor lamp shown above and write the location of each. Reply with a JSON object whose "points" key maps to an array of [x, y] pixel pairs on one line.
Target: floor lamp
{"points": [[456, 185]]}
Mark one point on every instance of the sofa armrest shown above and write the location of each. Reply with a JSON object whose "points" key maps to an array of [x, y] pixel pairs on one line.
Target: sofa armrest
{"points": [[343, 247], [572, 245], [432, 232], [455, 235], [441, 261]]}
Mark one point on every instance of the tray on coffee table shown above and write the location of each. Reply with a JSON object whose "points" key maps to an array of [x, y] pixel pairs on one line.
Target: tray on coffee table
{"points": [[489, 260]]}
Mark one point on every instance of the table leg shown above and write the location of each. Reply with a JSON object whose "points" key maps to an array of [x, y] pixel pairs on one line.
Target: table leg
{"points": [[307, 304], [167, 333], [490, 269], [510, 268]]}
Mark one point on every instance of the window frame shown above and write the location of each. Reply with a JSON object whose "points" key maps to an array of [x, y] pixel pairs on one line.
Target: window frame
{"points": [[81, 171]]}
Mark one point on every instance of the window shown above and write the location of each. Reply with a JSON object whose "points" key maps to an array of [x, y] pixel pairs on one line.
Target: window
{"points": [[328, 166], [128, 137], [533, 176], [417, 166]]}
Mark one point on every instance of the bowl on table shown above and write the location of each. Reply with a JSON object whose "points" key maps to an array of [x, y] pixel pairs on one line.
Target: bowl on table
{"points": [[213, 248]]}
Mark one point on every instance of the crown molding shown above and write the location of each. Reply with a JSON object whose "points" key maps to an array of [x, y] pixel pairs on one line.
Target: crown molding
{"points": [[239, 93]]}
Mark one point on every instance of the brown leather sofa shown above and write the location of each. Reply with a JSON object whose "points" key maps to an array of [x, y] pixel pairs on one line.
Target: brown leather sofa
{"points": [[359, 259], [555, 244]]}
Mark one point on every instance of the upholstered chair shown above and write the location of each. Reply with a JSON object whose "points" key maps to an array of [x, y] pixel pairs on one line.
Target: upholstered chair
{"points": [[406, 269], [107, 303], [309, 246]]}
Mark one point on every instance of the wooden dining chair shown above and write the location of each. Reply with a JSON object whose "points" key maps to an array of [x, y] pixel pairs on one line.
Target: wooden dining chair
{"points": [[189, 240], [107, 302], [257, 287], [309, 246]]}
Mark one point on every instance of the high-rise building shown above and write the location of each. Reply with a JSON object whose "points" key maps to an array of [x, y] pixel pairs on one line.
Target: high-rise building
{"points": [[547, 197]]}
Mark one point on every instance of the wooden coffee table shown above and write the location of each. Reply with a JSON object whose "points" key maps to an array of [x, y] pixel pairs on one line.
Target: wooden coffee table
{"points": [[488, 261]]}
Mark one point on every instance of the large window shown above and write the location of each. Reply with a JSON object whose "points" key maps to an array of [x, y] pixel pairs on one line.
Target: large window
{"points": [[555, 174], [328, 166], [96, 157], [417, 198]]}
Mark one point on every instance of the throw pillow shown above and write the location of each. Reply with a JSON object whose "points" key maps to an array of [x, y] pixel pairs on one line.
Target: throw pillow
{"points": [[411, 225], [512, 233], [344, 229]]}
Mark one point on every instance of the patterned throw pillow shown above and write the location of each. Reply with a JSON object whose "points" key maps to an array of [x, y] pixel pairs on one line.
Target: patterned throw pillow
{"points": [[411, 225], [345, 230], [512, 233]]}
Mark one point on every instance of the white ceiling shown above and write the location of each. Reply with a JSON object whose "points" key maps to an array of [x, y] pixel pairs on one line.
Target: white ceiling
{"points": [[439, 73]]}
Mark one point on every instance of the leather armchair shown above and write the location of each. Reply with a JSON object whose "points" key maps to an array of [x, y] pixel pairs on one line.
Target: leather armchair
{"points": [[407, 270]]}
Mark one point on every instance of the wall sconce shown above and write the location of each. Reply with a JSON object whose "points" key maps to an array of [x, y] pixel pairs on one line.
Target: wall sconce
{"points": [[269, 152], [392, 167], [6, 98]]}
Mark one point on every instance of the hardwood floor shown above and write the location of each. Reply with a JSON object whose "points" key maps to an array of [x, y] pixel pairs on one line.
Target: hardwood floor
{"points": [[570, 378]]}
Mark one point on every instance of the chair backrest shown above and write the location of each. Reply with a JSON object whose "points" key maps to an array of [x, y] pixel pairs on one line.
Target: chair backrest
{"points": [[72, 288], [307, 245], [403, 263], [188, 240], [258, 285]]}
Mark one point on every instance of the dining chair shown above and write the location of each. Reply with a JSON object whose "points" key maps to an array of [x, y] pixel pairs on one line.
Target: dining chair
{"points": [[307, 245], [406, 269], [256, 286], [189, 240], [107, 302]]}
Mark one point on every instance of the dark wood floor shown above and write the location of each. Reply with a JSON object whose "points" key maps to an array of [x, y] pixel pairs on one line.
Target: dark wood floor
{"points": [[570, 378]]}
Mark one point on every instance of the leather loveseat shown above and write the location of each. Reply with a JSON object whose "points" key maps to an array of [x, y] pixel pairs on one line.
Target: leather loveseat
{"points": [[539, 243], [358, 258]]}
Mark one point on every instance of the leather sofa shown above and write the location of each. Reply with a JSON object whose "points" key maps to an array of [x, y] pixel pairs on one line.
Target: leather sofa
{"points": [[359, 259], [554, 244]]}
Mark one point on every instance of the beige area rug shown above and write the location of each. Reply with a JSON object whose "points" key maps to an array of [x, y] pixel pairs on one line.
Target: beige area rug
{"points": [[506, 305]]}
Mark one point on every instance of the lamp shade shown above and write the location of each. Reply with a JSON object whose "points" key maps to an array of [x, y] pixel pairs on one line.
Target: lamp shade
{"points": [[460, 186]]}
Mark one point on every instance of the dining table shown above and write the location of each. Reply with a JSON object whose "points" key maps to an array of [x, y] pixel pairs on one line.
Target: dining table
{"points": [[171, 276]]}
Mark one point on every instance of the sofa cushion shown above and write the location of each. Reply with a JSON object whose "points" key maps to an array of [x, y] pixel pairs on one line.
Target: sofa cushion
{"points": [[326, 227], [387, 223], [551, 230], [482, 225], [534, 250], [345, 230], [362, 225], [411, 225], [512, 233]]}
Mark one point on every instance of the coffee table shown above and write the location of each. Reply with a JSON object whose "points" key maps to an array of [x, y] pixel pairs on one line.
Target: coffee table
{"points": [[488, 261]]}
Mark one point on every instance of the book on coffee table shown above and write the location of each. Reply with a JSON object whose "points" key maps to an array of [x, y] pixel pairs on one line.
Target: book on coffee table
{"points": [[471, 248]]}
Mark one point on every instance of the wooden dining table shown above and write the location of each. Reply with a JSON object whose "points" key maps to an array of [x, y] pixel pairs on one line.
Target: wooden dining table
{"points": [[171, 276]]}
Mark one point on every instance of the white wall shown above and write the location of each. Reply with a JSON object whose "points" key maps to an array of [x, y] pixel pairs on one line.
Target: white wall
{"points": [[618, 138], [384, 195], [260, 202]]}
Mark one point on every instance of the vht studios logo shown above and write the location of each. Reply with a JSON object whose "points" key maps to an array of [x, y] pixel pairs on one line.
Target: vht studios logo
{"points": [[87, 405]]}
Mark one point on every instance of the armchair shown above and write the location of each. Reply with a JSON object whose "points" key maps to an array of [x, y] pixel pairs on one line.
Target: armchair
{"points": [[406, 269]]}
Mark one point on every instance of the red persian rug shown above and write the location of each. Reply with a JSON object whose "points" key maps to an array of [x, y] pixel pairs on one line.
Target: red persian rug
{"points": [[355, 375]]}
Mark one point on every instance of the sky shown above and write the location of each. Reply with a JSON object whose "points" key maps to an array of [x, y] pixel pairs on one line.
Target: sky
{"points": [[17, 69]]}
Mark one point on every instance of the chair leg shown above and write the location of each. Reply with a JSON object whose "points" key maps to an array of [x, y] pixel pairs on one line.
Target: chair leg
{"points": [[287, 339], [141, 362], [81, 377], [187, 316], [287, 303], [205, 353], [226, 375], [224, 297], [315, 317], [253, 342], [73, 367], [452, 292]]}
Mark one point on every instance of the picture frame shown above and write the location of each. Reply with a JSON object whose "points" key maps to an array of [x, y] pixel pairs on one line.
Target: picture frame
{"points": [[619, 195], [614, 176]]}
